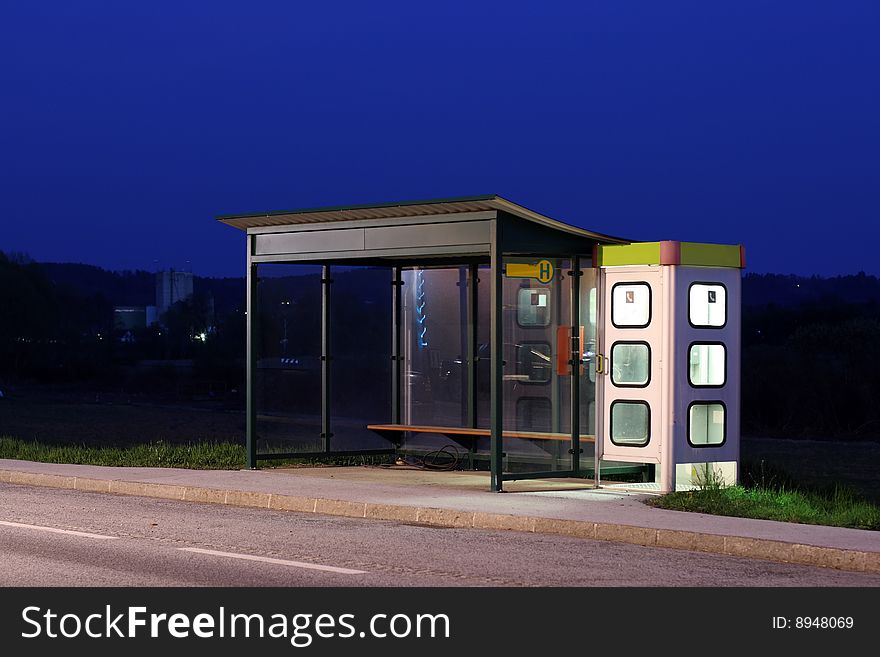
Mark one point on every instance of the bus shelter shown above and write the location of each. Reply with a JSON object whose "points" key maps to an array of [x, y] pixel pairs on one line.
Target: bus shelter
{"points": [[467, 326], [477, 328]]}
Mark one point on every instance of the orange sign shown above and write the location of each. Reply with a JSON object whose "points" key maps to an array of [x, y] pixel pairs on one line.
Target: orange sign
{"points": [[563, 350]]}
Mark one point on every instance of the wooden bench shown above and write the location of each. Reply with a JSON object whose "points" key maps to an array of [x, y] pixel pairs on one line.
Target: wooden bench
{"points": [[470, 434], [389, 430], [459, 434]]}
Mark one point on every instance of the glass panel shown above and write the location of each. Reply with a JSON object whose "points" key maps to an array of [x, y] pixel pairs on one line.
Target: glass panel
{"points": [[588, 374], [588, 319], [537, 394], [631, 305], [484, 354], [630, 363], [707, 305], [434, 350], [706, 424], [630, 423], [360, 349], [288, 369], [533, 307], [534, 363], [534, 412], [707, 364]]}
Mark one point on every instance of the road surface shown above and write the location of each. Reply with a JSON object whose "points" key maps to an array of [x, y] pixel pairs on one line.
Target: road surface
{"points": [[51, 537]]}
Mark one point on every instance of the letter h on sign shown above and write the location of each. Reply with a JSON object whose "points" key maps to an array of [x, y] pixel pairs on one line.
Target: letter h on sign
{"points": [[544, 273]]}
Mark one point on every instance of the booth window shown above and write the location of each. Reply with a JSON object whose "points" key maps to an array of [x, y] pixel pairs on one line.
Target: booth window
{"points": [[707, 424], [534, 362], [630, 364], [630, 423], [533, 307], [631, 305], [707, 305], [707, 364]]}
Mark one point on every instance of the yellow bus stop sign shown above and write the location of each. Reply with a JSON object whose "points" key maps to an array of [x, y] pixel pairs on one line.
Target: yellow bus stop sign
{"points": [[542, 270]]}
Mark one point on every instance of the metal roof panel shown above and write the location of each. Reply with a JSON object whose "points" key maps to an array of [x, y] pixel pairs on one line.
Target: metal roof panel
{"points": [[407, 209]]}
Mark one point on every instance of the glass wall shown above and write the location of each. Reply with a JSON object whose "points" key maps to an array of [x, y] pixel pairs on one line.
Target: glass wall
{"points": [[484, 353], [588, 320], [434, 340], [360, 350], [434, 347], [288, 368], [537, 377]]}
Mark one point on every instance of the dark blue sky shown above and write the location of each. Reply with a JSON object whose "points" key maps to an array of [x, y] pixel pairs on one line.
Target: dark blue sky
{"points": [[126, 127]]}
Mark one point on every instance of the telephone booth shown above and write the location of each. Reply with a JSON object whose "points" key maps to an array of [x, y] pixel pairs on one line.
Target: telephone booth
{"points": [[669, 363]]}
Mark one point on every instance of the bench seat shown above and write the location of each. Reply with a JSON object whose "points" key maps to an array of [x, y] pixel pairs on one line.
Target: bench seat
{"points": [[472, 432]]}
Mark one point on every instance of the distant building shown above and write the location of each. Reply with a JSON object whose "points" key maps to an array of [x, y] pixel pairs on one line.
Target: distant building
{"points": [[129, 318], [152, 315], [171, 287]]}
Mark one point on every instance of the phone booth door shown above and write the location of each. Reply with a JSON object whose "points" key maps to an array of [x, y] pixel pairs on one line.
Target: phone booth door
{"points": [[629, 365]]}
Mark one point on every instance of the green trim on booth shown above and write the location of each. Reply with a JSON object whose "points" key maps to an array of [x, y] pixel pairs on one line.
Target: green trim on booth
{"points": [[638, 253], [712, 255], [671, 252]]}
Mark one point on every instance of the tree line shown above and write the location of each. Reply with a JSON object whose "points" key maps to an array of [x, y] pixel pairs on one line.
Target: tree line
{"points": [[810, 361]]}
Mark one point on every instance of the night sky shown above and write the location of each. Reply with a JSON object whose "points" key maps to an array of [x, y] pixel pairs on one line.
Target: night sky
{"points": [[126, 127]]}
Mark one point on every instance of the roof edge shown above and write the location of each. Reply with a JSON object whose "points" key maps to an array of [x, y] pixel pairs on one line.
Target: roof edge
{"points": [[360, 206], [488, 201]]}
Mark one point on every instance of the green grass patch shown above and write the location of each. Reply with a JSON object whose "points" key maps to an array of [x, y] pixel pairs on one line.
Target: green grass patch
{"points": [[199, 456], [195, 456], [838, 507]]}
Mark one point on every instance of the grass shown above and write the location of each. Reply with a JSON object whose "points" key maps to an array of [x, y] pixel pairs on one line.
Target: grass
{"points": [[195, 456], [777, 499], [200, 456]]}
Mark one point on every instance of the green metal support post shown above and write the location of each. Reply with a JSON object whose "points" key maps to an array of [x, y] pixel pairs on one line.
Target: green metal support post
{"points": [[497, 358], [326, 281], [251, 357]]}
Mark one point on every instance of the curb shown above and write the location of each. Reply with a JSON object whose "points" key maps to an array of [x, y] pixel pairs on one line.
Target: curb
{"points": [[737, 546]]}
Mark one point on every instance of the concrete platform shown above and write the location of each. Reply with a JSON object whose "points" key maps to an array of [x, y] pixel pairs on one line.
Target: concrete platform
{"points": [[461, 499]]}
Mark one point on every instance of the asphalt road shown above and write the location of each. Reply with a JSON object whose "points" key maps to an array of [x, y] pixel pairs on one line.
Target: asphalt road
{"points": [[51, 537]]}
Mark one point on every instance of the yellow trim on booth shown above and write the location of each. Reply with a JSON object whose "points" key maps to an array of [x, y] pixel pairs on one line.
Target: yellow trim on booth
{"points": [[670, 253], [710, 255], [638, 253]]}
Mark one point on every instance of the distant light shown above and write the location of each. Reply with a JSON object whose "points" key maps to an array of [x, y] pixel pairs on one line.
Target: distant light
{"points": [[202, 336]]}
